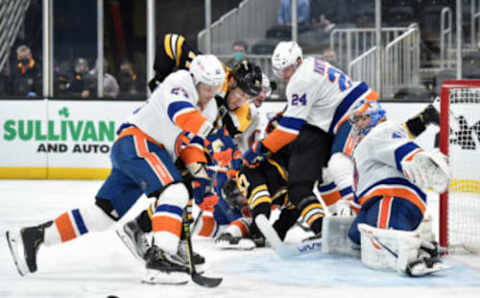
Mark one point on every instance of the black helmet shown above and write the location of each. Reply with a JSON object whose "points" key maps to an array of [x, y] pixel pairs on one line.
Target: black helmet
{"points": [[248, 77]]}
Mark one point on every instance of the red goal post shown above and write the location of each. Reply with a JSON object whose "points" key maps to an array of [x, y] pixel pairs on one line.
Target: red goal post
{"points": [[459, 216]]}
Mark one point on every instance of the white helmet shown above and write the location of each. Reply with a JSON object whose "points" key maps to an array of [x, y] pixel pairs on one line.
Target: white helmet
{"points": [[286, 53], [207, 69]]}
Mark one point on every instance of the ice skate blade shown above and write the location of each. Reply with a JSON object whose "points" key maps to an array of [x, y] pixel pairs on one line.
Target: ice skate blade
{"points": [[126, 241], [155, 277], [16, 250]]}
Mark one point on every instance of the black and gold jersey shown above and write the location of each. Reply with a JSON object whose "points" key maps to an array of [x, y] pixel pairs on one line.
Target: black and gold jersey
{"points": [[173, 53]]}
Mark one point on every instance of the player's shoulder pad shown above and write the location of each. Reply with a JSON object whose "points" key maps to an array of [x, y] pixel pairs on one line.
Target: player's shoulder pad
{"points": [[389, 130], [180, 80], [303, 79]]}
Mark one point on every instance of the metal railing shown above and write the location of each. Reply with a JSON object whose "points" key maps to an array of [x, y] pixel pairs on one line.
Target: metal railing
{"points": [[350, 43], [248, 22], [12, 13], [446, 30], [402, 62], [360, 69]]}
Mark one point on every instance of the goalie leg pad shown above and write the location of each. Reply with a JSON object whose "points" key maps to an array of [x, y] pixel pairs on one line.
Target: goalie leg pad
{"points": [[335, 236], [167, 220], [388, 249]]}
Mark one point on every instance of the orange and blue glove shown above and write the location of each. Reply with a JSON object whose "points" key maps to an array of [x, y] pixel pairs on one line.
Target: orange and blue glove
{"points": [[255, 155]]}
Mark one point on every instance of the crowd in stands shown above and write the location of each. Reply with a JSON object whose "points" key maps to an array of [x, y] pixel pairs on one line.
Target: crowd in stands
{"points": [[72, 80]]}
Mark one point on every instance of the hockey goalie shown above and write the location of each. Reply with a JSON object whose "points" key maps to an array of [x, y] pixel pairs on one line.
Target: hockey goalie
{"points": [[392, 172]]}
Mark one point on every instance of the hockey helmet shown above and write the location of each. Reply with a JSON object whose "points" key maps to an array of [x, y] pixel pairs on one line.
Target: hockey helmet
{"points": [[366, 109], [286, 53], [248, 77], [207, 69]]}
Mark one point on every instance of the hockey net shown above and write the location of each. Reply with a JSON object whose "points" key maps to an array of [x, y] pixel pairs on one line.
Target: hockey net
{"points": [[460, 140]]}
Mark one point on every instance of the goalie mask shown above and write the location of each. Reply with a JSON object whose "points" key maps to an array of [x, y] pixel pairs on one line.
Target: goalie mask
{"points": [[365, 115]]}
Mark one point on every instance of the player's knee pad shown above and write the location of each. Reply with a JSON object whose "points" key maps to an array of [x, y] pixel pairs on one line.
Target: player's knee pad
{"points": [[174, 194], [95, 218]]}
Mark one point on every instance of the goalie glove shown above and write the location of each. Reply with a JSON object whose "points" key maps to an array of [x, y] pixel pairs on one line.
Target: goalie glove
{"points": [[428, 169]]}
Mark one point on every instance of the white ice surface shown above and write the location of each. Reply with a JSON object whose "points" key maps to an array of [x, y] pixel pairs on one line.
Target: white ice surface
{"points": [[98, 265]]}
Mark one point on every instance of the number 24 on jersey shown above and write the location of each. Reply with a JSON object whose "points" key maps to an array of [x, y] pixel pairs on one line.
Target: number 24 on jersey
{"points": [[298, 100]]}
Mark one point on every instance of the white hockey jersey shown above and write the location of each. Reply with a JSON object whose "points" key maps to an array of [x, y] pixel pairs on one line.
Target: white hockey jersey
{"points": [[172, 110], [320, 95], [378, 158]]}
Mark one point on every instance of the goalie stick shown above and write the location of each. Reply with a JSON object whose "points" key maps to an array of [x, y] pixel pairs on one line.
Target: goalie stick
{"points": [[197, 278]]}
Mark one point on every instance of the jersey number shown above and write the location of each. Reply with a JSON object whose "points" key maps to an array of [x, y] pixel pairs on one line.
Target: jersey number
{"points": [[299, 100], [179, 90], [334, 75]]}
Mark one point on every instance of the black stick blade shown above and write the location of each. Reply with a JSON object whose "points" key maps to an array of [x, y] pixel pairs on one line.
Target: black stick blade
{"points": [[209, 282]]}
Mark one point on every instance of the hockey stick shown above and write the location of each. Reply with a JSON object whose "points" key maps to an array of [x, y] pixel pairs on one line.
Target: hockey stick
{"points": [[197, 278], [286, 250]]}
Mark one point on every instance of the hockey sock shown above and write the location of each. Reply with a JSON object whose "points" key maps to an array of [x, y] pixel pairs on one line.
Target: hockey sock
{"points": [[75, 223]]}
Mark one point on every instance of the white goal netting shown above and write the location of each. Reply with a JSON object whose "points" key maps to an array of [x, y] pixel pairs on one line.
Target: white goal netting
{"points": [[460, 138]]}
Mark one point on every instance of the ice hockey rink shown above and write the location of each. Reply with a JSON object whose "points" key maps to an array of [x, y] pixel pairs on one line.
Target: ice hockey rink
{"points": [[98, 265]]}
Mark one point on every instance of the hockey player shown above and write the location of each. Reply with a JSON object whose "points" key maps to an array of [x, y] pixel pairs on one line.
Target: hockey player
{"points": [[392, 170], [179, 111], [242, 83], [319, 97]]}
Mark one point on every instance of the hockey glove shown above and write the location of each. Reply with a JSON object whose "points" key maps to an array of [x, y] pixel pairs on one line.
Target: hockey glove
{"points": [[256, 154], [203, 194]]}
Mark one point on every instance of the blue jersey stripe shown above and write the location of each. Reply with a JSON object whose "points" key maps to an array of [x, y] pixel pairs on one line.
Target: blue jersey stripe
{"points": [[328, 187], [346, 191], [291, 123], [79, 221], [403, 151], [170, 209], [176, 106], [346, 103]]}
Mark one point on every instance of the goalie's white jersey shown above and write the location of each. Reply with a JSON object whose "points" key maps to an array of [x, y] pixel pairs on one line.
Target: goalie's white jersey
{"points": [[172, 110], [320, 95], [378, 158]]}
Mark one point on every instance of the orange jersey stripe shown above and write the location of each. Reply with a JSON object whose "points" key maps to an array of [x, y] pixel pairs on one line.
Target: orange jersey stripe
{"points": [[153, 160], [396, 192], [384, 212], [166, 224], [191, 121], [331, 198], [65, 227], [278, 139]]}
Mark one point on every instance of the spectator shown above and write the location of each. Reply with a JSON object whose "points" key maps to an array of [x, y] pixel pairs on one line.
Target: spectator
{"points": [[285, 12], [110, 84], [82, 83], [127, 79], [26, 76], [239, 49]]}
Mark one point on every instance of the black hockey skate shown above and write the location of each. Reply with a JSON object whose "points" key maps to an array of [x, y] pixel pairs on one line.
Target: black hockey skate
{"points": [[134, 239], [165, 268], [24, 247]]}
